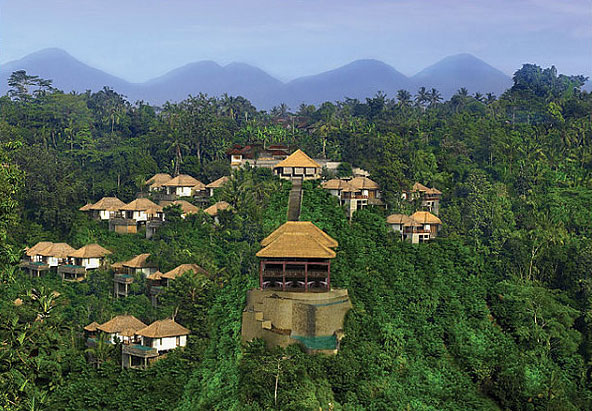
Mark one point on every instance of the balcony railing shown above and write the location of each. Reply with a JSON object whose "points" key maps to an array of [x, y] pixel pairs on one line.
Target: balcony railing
{"points": [[123, 278], [35, 266], [71, 269], [156, 289], [138, 350]]}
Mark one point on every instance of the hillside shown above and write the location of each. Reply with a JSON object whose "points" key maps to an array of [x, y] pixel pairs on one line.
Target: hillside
{"points": [[491, 313]]}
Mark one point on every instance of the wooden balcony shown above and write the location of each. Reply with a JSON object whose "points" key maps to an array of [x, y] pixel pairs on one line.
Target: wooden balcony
{"points": [[156, 289], [71, 272], [34, 266], [123, 278], [138, 350]]}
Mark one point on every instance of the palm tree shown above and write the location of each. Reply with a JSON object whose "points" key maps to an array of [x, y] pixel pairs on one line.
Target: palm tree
{"points": [[404, 98], [101, 351], [434, 97], [421, 97], [463, 92], [489, 98], [478, 96]]}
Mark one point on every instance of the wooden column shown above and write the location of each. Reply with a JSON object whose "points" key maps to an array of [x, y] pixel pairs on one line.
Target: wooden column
{"points": [[306, 276], [284, 276], [329, 276], [261, 275]]}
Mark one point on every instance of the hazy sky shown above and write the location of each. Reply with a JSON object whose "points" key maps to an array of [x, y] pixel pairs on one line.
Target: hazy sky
{"points": [[140, 39]]}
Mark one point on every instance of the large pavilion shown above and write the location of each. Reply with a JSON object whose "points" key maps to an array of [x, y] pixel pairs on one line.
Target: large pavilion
{"points": [[297, 257]]}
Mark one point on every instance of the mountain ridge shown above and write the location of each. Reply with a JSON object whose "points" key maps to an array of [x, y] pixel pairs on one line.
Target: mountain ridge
{"points": [[358, 79]]}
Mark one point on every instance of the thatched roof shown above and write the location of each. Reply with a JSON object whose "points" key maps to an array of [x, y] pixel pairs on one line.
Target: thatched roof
{"points": [[418, 187], [433, 191], [338, 184], [402, 219], [298, 159], [184, 180], [214, 209], [364, 183], [90, 251], [162, 329], [182, 269], [86, 207], [120, 323], [127, 332], [186, 206], [108, 203], [92, 327], [38, 248], [57, 250], [142, 204], [218, 183], [139, 261], [155, 276], [425, 217], [157, 180], [301, 227], [296, 245]]}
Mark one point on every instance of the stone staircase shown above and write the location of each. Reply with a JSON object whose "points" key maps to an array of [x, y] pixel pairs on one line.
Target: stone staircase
{"points": [[295, 201]]}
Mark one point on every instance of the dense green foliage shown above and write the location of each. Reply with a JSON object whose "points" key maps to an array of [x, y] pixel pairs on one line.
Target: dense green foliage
{"points": [[494, 314]]}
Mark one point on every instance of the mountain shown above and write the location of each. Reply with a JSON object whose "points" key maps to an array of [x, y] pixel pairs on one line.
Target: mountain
{"points": [[462, 70], [66, 72], [359, 79], [236, 79]]}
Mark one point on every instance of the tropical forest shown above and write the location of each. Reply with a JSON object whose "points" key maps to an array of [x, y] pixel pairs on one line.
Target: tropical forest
{"points": [[493, 314]]}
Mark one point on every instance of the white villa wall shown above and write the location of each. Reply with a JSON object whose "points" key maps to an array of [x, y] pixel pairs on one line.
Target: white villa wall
{"points": [[398, 228], [104, 214], [183, 191], [52, 261], [140, 216], [166, 343], [90, 263]]}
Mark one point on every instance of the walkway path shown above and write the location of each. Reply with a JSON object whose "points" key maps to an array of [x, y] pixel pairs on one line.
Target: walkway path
{"points": [[295, 201]]}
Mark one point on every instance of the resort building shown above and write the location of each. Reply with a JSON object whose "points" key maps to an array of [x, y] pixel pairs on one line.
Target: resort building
{"points": [[180, 270], [214, 185], [257, 155], [155, 182], [157, 280], [429, 197], [186, 207], [155, 284], [215, 209], [298, 166], [104, 209], [121, 328], [185, 186], [126, 271], [44, 256], [156, 340], [420, 227], [89, 257], [140, 211], [295, 302], [141, 344], [355, 194]]}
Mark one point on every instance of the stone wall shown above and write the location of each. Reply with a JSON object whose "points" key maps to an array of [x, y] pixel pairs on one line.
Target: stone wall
{"points": [[283, 318]]}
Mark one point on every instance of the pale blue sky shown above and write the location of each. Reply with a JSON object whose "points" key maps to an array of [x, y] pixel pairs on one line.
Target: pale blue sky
{"points": [[140, 39]]}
